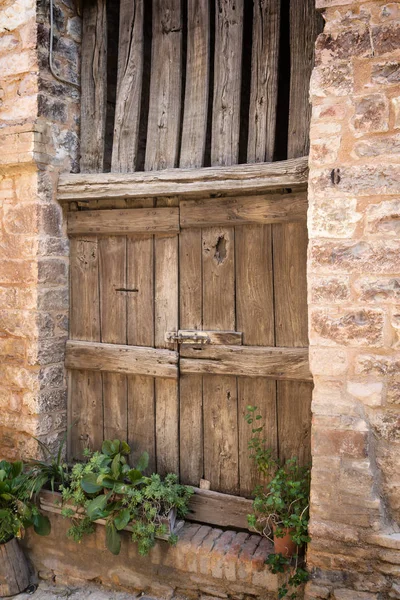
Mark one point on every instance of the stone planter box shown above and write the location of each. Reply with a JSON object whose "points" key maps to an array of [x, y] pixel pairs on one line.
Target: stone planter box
{"points": [[52, 502]]}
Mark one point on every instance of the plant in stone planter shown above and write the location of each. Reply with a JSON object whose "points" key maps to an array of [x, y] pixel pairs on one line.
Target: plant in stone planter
{"points": [[17, 513], [51, 472], [280, 506], [107, 488]]}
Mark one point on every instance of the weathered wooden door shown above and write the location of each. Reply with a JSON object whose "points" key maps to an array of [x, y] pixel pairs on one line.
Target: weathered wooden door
{"points": [[185, 314]]}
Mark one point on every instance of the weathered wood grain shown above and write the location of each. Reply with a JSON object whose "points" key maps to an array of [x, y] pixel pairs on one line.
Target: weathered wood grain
{"points": [[242, 210], [305, 24], [290, 283], [294, 420], [237, 180], [165, 86], [218, 278], [197, 84], [211, 337], [221, 460], [223, 510], [122, 222], [94, 88], [248, 361], [194, 130], [255, 317], [227, 82], [264, 81], [140, 309], [112, 272], [85, 406], [14, 571], [129, 86], [117, 358]]}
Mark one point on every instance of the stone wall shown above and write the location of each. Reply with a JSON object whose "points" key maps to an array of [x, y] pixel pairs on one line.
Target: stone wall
{"points": [[38, 137], [354, 302]]}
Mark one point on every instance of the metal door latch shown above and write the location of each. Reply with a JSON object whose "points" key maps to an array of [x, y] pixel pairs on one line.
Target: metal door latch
{"points": [[187, 337]]}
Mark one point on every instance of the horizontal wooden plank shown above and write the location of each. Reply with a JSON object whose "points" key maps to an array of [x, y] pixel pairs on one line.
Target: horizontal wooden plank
{"points": [[219, 509], [237, 179], [122, 222], [115, 358], [242, 210], [248, 361]]}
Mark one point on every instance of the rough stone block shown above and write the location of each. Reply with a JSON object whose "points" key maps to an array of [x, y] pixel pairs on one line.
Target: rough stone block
{"points": [[331, 442], [328, 362], [350, 328], [358, 256], [389, 145], [386, 73], [335, 217], [332, 80], [370, 393]]}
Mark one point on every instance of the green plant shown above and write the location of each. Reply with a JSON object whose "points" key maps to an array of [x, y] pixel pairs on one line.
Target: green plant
{"points": [[106, 487], [53, 470], [281, 505], [17, 512]]}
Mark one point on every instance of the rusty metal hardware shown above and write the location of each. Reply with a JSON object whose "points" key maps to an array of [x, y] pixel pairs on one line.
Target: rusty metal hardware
{"points": [[187, 337]]}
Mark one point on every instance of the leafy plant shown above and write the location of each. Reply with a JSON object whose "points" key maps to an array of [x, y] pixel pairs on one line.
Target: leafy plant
{"points": [[17, 512], [281, 506], [53, 470], [106, 487]]}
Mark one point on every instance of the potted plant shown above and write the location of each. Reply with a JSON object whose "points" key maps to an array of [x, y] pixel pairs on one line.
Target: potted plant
{"points": [[17, 512], [106, 489], [280, 506]]}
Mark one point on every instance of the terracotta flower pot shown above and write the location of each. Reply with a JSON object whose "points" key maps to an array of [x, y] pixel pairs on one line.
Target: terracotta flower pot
{"points": [[284, 545]]}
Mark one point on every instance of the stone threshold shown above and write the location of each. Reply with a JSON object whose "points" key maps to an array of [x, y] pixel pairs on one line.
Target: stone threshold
{"points": [[206, 560]]}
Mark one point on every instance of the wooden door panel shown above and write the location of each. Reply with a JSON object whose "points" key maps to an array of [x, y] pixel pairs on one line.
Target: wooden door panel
{"points": [[140, 313], [221, 449], [85, 387]]}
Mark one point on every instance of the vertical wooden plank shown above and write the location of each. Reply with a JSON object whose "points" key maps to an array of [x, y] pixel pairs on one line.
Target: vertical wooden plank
{"points": [[221, 433], [161, 153], [294, 423], [94, 86], [218, 251], [197, 84], [227, 82], [190, 392], [254, 285], [166, 319], [264, 81], [305, 24], [220, 393], [255, 318], [129, 86], [140, 310], [220, 409], [293, 398], [165, 86], [190, 264], [290, 283], [85, 388], [113, 331]]}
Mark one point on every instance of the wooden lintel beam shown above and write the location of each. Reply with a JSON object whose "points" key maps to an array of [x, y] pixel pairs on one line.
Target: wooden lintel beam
{"points": [[237, 179], [115, 358], [123, 222], [244, 210], [247, 361]]}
